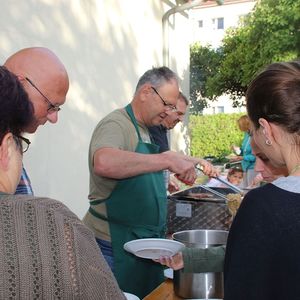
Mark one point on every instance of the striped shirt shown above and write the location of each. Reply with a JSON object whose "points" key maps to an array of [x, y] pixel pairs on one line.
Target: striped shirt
{"points": [[24, 186]]}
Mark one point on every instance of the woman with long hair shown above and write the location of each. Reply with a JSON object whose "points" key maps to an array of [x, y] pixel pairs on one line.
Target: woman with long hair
{"points": [[262, 260]]}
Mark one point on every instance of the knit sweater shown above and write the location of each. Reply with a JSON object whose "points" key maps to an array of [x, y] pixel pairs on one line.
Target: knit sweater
{"points": [[47, 253]]}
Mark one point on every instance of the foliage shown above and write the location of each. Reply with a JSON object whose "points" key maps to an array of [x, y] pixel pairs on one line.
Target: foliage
{"points": [[271, 33], [203, 63], [213, 135]]}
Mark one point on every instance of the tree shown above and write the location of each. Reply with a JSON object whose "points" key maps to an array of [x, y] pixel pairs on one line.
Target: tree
{"points": [[203, 63], [271, 33]]}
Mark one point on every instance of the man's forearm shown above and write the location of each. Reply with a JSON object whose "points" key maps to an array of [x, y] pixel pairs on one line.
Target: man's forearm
{"points": [[118, 164]]}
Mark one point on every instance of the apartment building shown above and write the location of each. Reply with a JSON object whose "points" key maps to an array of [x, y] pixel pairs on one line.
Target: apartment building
{"points": [[209, 23]]}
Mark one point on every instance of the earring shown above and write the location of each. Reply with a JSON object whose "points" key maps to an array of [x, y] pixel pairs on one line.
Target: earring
{"points": [[268, 142]]}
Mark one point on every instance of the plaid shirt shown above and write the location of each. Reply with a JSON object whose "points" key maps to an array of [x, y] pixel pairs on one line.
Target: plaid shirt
{"points": [[24, 186]]}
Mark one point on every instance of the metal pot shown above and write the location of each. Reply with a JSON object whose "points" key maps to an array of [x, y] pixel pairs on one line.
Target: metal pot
{"points": [[200, 285]]}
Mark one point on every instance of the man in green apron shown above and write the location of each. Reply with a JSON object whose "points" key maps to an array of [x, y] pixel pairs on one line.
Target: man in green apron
{"points": [[127, 194]]}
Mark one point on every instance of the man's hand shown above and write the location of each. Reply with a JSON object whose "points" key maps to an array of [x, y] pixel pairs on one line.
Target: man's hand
{"points": [[208, 169], [173, 186], [182, 167], [236, 158]]}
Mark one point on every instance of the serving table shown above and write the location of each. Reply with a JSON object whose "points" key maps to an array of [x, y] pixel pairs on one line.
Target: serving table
{"points": [[164, 291]]}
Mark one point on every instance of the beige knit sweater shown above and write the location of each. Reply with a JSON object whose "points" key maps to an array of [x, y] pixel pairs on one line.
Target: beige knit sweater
{"points": [[47, 253]]}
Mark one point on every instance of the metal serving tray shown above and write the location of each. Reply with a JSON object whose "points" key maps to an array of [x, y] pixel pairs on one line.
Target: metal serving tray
{"points": [[186, 212]]}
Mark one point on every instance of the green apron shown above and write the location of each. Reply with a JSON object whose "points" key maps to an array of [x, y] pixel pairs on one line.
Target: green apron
{"points": [[137, 208]]}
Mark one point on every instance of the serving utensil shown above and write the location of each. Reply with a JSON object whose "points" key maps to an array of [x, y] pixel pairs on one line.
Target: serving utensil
{"points": [[230, 185]]}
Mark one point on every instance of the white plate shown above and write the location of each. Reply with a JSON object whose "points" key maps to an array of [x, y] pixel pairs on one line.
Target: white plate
{"points": [[169, 273], [153, 248], [131, 296]]}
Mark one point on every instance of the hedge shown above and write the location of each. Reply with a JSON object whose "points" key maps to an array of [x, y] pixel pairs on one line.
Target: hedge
{"points": [[213, 135]]}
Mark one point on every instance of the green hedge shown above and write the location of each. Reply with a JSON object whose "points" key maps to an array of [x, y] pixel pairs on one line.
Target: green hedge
{"points": [[213, 135]]}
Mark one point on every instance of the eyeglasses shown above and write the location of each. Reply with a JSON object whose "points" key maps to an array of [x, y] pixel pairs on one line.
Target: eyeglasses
{"points": [[170, 106], [52, 108], [22, 143]]}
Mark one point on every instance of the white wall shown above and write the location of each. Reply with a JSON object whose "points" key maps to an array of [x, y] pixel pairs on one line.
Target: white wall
{"points": [[180, 37], [106, 46], [222, 105], [231, 11]]}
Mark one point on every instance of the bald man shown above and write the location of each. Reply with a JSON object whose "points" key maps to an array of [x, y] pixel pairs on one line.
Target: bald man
{"points": [[46, 81]]}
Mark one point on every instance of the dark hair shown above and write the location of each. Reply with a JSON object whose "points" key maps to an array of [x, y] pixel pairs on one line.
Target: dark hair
{"points": [[184, 98], [232, 171], [157, 77], [16, 110], [275, 96]]}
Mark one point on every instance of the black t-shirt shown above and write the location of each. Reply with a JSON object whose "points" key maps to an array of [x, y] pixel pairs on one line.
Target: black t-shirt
{"points": [[158, 135]]}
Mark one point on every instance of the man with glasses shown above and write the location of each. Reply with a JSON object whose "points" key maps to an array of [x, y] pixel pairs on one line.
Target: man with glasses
{"points": [[45, 250], [127, 193], [12, 144], [159, 133], [46, 82]]}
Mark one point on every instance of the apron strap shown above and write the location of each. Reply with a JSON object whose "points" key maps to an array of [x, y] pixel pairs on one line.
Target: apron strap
{"points": [[97, 201], [104, 218], [139, 230], [129, 111], [97, 215]]}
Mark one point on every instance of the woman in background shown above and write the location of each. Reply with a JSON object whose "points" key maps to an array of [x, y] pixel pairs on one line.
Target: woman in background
{"points": [[262, 260], [246, 156]]}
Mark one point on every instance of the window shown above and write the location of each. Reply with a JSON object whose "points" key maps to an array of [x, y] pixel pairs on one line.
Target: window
{"points": [[200, 23], [218, 23], [220, 109]]}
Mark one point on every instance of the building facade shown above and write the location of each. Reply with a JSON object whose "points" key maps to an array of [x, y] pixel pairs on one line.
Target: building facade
{"points": [[209, 23]]}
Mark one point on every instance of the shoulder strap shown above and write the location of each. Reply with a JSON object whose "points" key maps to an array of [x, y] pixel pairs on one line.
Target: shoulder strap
{"points": [[129, 110]]}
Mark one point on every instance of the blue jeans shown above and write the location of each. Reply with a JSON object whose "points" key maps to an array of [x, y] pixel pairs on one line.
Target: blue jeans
{"points": [[107, 252]]}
